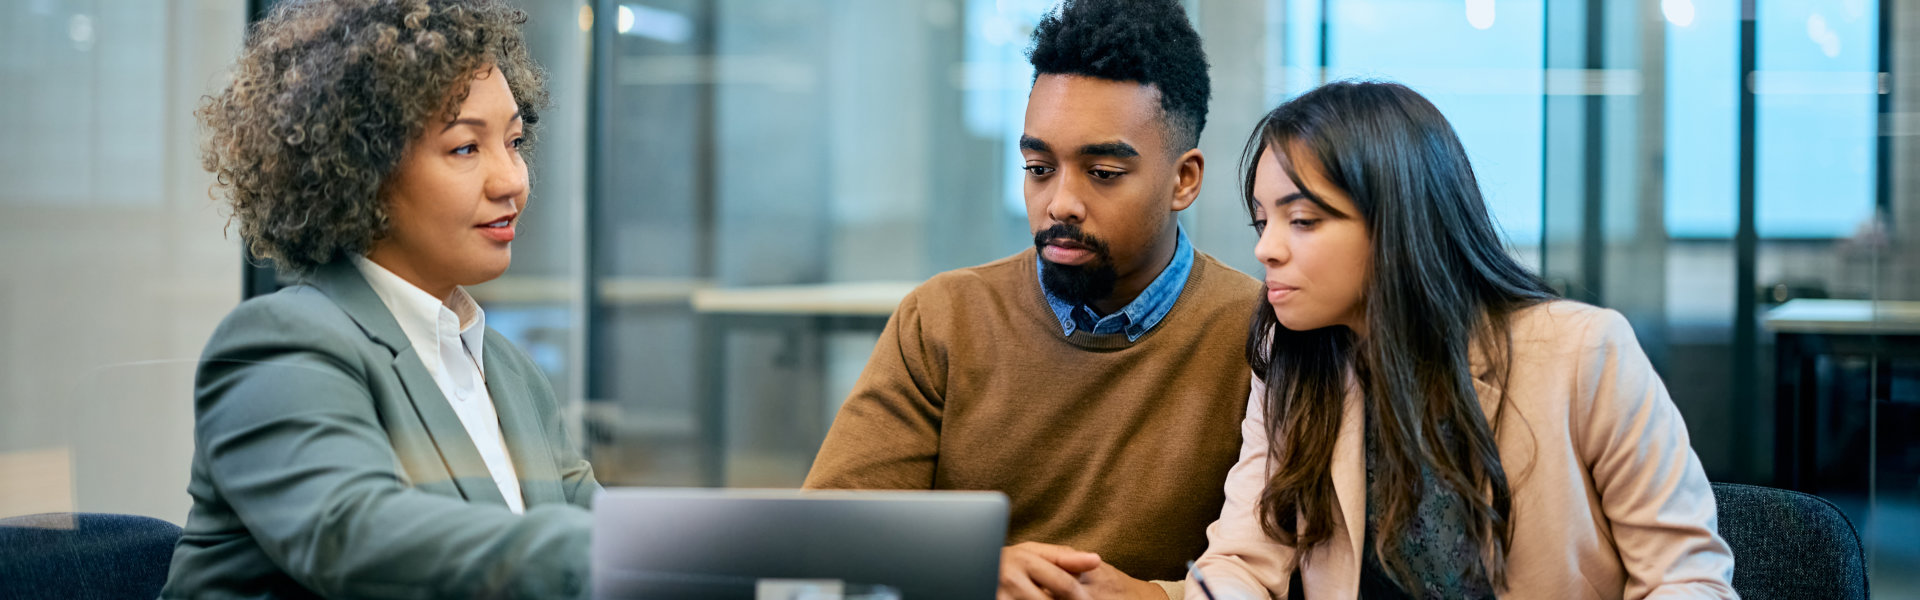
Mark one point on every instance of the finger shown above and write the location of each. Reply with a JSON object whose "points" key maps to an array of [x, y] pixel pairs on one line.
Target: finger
{"points": [[1077, 562], [1015, 585], [1069, 559], [1057, 582], [1015, 581]]}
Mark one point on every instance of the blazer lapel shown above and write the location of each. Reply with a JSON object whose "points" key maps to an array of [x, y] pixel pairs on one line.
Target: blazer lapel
{"points": [[449, 434], [1350, 486], [521, 426], [342, 282]]}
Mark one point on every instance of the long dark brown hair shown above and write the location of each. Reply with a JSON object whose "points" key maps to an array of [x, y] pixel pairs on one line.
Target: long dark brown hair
{"points": [[1440, 280]]}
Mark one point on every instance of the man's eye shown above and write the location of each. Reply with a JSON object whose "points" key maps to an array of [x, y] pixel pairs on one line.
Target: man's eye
{"points": [[1037, 170], [1104, 175]]}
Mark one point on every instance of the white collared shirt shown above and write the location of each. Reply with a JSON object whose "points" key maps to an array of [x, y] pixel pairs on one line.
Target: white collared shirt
{"points": [[449, 337]]}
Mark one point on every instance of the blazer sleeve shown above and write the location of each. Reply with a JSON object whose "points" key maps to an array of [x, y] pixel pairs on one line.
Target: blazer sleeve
{"points": [[285, 422], [887, 434], [1241, 561], [1656, 497], [576, 474]]}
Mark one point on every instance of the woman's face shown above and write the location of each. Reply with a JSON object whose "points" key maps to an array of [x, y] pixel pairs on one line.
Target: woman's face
{"points": [[1313, 244], [457, 193]]}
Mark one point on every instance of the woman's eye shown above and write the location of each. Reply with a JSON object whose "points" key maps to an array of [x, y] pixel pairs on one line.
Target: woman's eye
{"points": [[1305, 223], [1259, 226], [467, 149], [518, 143], [1037, 170]]}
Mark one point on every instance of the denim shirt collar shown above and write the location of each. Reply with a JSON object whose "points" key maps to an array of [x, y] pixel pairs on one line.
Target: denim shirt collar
{"points": [[1137, 317]]}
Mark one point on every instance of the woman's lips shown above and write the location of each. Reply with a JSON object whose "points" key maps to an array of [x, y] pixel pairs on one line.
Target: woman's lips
{"points": [[1277, 293], [499, 231]]}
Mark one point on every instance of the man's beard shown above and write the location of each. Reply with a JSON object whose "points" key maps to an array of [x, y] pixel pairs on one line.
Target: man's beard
{"points": [[1077, 284]]}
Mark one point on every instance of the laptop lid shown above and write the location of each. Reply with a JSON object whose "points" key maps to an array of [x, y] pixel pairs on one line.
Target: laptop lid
{"points": [[720, 543]]}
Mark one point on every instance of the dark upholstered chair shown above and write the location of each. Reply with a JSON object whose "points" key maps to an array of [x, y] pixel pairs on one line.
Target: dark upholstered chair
{"points": [[1789, 545], [84, 556]]}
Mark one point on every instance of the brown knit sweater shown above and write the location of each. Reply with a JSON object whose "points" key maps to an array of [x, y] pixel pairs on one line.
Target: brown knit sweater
{"points": [[1104, 445]]}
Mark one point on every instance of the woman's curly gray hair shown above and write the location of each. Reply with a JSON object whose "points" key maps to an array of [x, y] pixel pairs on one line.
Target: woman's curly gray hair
{"points": [[323, 101]]}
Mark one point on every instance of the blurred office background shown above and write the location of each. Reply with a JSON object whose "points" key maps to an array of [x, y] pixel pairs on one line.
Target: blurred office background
{"points": [[730, 194]]}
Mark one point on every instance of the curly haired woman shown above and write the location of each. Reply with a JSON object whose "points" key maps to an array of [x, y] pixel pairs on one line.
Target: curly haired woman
{"points": [[362, 433]]}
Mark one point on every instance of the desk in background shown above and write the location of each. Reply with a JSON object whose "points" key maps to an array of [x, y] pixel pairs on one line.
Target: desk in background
{"points": [[1819, 345], [797, 309]]}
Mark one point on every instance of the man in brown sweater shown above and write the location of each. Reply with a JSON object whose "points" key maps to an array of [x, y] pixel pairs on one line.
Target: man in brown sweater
{"points": [[1099, 379]]}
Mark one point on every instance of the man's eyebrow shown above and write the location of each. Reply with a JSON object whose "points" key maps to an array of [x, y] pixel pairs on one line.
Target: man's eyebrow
{"points": [[1110, 149], [1028, 142], [475, 122]]}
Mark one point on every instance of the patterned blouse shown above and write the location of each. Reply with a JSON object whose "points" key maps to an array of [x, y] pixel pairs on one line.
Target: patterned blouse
{"points": [[1435, 545]]}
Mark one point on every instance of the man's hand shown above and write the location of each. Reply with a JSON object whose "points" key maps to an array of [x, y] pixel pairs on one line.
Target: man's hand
{"points": [[1104, 582], [1036, 571]]}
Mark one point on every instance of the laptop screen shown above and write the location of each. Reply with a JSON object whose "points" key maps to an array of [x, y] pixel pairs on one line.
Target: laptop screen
{"points": [[792, 545]]}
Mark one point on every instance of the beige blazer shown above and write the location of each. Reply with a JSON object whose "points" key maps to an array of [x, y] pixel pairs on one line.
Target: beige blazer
{"points": [[1609, 500]]}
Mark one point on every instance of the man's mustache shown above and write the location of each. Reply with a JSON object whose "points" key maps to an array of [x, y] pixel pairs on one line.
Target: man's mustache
{"points": [[1072, 234]]}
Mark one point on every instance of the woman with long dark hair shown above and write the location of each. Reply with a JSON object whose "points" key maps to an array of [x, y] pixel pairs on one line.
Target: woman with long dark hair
{"points": [[1427, 419]]}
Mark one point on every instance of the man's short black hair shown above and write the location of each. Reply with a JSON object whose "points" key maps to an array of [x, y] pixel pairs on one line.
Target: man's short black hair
{"points": [[1148, 41]]}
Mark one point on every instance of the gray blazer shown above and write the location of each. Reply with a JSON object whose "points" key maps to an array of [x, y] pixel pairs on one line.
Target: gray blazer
{"points": [[327, 463]]}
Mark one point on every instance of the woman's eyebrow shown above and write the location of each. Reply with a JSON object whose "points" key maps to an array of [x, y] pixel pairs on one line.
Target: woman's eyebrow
{"points": [[476, 122], [1303, 195]]}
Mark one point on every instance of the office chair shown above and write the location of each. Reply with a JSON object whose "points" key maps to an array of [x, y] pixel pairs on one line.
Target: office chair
{"points": [[1789, 545], [84, 556]]}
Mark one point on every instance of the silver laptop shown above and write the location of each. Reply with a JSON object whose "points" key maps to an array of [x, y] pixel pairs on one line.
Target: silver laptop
{"points": [[795, 545]]}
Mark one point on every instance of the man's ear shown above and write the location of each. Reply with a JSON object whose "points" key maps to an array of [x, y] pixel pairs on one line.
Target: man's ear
{"points": [[1189, 169]]}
